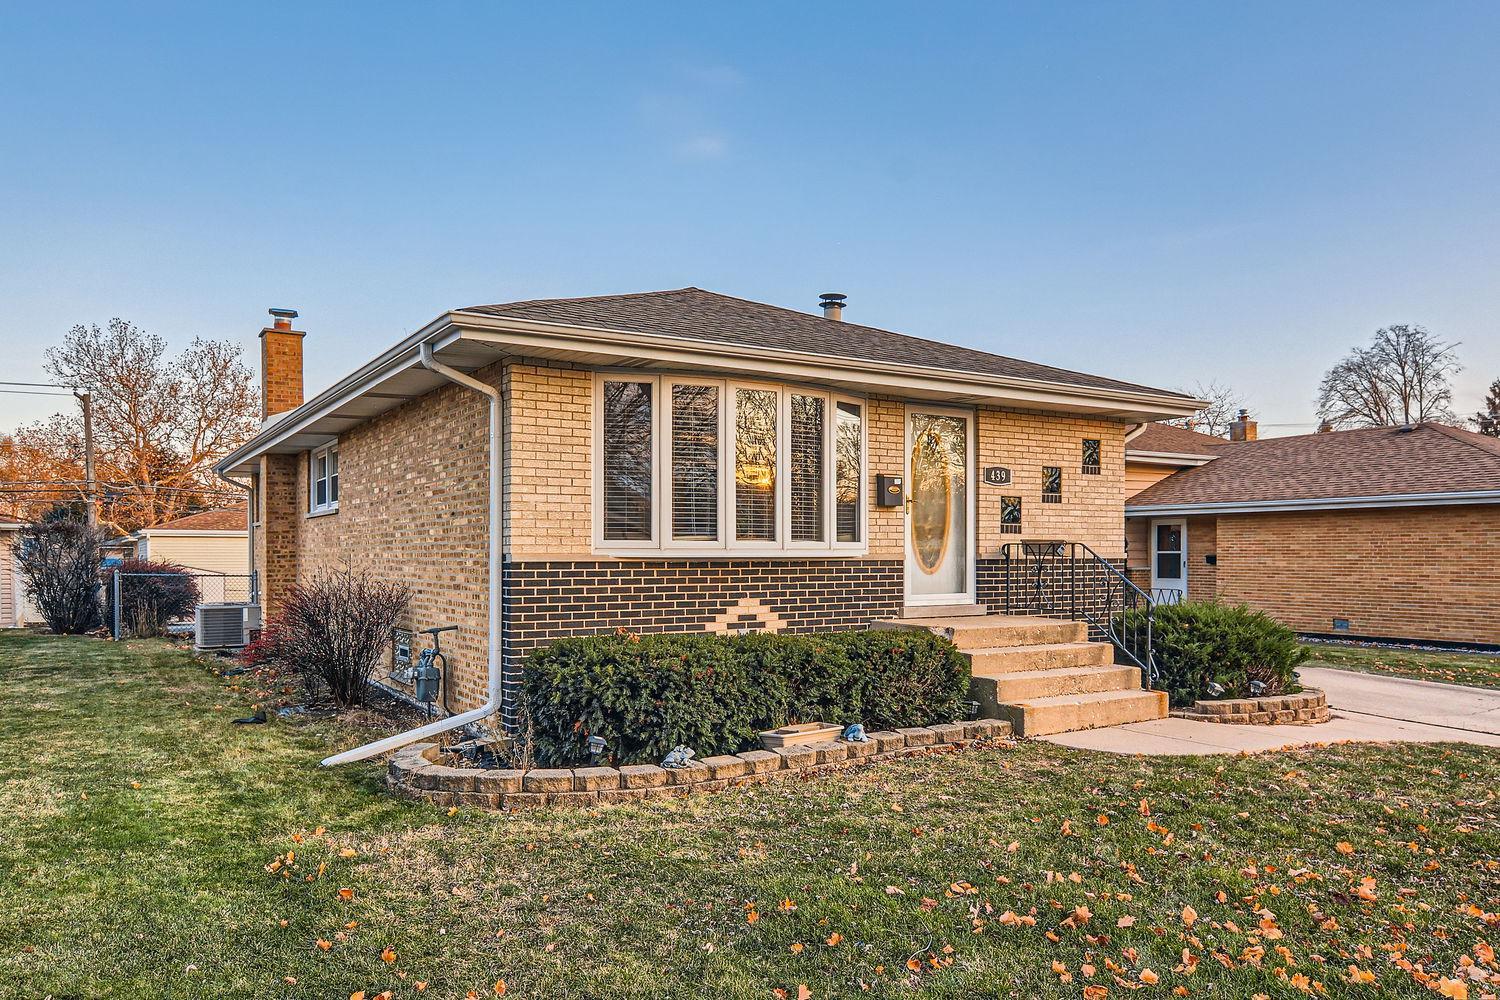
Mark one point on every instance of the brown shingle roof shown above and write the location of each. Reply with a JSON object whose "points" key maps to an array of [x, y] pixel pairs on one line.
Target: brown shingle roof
{"points": [[1377, 461], [1171, 440], [227, 519], [695, 314]]}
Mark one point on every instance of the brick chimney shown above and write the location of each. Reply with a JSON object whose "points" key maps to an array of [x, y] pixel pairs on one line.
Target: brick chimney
{"points": [[280, 365], [1243, 428]]}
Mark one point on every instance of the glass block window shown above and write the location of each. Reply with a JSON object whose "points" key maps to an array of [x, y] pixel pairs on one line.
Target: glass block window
{"points": [[1091, 460], [1051, 484], [1010, 515]]}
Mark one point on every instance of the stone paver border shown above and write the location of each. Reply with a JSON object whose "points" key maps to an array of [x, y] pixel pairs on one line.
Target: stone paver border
{"points": [[1306, 708], [415, 771]]}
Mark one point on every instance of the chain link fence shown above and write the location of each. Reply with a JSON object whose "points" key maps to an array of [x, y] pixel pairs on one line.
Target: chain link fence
{"points": [[154, 604]]}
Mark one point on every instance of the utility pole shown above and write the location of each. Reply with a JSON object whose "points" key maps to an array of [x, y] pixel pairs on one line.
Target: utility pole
{"points": [[86, 400]]}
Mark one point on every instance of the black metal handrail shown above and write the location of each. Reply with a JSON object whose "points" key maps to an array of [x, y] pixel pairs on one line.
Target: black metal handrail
{"points": [[1070, 580]]}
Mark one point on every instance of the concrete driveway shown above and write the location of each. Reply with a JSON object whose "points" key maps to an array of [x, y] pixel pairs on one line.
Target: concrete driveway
{"points": [[1364, 708]]}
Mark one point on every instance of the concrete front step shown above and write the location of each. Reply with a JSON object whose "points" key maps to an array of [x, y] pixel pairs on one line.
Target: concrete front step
{"points": [[991, 631], [1040, 656], [943, 610], [1072, 712], [1029, 684]]}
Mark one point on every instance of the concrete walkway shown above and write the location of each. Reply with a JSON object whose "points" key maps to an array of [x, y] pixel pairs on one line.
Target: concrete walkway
{"points": [[1366, 708]]}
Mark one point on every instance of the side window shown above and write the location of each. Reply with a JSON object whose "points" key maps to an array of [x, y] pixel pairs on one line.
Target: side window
{"points": [[323, 479]]}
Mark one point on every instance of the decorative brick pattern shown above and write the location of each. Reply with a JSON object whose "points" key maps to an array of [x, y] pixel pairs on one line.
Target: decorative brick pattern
{"points": [[414, 771], [1307, 707], [554, 600]]}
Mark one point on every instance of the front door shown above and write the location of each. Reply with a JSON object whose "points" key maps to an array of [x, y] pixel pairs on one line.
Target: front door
{"points": [[1168, 561], [939, 506]]}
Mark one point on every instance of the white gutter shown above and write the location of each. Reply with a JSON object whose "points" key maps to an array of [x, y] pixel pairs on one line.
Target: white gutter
{"points": [[1167, 457], [520, 334], [496, 676], [1324, 503]]}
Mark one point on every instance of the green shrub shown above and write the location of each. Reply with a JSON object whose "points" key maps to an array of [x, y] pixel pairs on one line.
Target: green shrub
{"points": [[1201, 642], [646, 694]]}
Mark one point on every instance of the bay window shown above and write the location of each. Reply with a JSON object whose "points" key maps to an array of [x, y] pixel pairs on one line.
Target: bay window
{"points": [[701, 465]]}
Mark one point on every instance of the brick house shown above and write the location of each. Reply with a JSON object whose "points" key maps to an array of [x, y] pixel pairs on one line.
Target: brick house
{"points": [[676, 461], [1387, 532]]}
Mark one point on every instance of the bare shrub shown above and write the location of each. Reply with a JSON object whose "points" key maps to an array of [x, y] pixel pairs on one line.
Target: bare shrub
{"points": [[338, 625], [59, 559], [152, 596]]}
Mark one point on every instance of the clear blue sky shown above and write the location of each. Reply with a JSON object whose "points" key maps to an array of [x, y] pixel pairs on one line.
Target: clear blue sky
{"points": [[1158, 192]]}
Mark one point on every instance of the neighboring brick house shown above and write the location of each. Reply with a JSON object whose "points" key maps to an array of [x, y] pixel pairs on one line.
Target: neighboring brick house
{"points": [[678, 461], [1387, 532]]}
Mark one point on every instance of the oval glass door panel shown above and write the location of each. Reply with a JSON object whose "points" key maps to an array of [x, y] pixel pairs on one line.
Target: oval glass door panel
{"points": [[937, 516]]}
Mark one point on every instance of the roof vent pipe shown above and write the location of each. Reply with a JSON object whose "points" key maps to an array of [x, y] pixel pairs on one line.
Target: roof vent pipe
{"points": [[833, 305], [496, 695]]}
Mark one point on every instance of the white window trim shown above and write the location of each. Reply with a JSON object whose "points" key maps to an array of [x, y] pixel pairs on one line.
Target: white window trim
{"points": [[654, 543], [313, 507], [664, 435], [727, 545]]}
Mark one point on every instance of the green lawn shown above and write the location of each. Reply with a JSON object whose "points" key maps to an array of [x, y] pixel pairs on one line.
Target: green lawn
{"points": [[137, 825], [1450, 668]]}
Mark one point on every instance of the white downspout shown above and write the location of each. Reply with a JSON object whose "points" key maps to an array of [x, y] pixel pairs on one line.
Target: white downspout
{"points": [[496, 665]]}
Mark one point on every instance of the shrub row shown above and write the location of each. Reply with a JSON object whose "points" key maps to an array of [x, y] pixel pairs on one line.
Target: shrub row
{"points": [[645, 695], [1198, 643]]}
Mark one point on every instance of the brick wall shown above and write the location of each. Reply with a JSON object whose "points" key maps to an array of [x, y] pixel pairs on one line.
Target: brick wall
{"points": [[1202, 542], [281, 370], [1413, 572], [413, 507]]}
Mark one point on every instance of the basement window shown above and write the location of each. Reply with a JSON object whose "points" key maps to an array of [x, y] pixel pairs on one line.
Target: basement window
{"points": [[1010, 515], [1092, 465], [323, 480], [1051, 484]]}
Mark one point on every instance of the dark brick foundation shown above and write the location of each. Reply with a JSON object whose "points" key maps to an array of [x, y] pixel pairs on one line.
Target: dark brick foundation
{"points": [[545, 601]]}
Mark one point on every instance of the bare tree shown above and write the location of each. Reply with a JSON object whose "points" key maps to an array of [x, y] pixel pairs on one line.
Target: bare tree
{"points": [[1223, 403], [160, 424], [1487, 420], [1403, 377]]}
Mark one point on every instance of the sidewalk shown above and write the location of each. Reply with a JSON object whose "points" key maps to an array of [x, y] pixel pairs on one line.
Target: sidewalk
{"points": [[1365, 708]]}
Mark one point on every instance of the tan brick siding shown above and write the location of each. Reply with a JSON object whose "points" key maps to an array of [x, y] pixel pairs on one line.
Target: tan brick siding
{"points": [[281, 371], [1092, 508], [1413, 572], [413, 500], [549, 443], [1202, 542]]}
